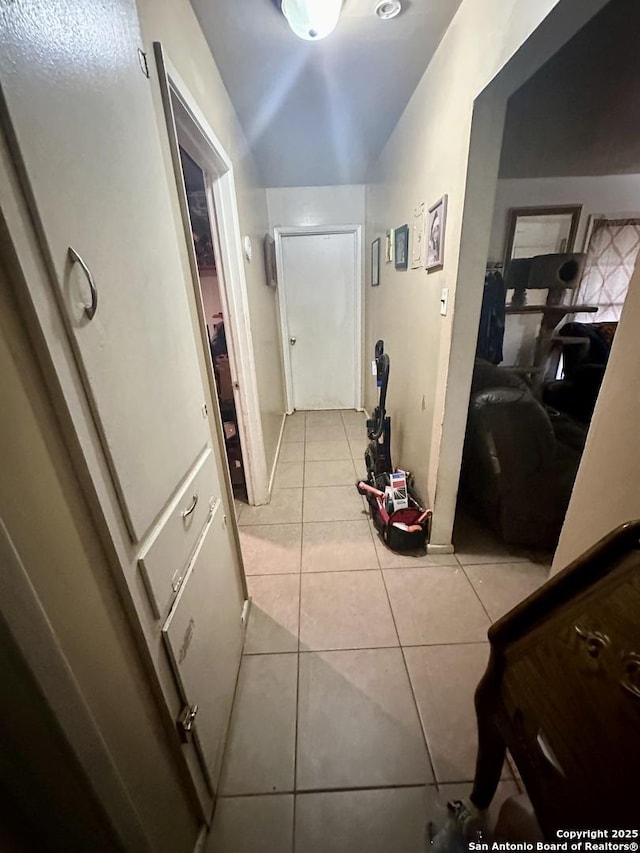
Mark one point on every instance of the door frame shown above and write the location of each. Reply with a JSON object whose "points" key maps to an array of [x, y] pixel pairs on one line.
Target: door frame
{"points": [[57, 695], [295, 231], [188, 127]]}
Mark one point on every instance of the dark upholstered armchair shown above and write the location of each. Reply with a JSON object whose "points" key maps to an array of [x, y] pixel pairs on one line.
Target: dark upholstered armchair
{"points": [[520, 460], [584, 367]]}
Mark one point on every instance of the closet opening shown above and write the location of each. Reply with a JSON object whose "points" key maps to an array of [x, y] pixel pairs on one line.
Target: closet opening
{"points": [[205, 243]]}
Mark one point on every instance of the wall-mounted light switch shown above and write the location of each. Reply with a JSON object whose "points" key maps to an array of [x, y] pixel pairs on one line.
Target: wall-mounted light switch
{"points": [[444, 300]]}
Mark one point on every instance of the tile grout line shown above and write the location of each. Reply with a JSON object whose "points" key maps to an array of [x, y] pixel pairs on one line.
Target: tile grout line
{"points": [[477, 595], [402, 648], [371, 527], [367, 648], [236, 686], [413, 693], [391, 787], [498, 561], [514, 777], [393, 616], [341, 571], [423, 727], [243, 655], [295, 736], [406, 668], [295, 753], [227, 739], [273, 574], [315, 571]]}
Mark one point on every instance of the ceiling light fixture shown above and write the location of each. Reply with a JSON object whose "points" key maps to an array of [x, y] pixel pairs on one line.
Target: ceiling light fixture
{"points": [[388, 9], [312, 20]]}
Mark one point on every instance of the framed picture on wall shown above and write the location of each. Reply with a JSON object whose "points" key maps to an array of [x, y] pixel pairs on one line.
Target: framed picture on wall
{"points": [[401, 243], [375, 262], [436, 225], [388, 246], [417, 237]]}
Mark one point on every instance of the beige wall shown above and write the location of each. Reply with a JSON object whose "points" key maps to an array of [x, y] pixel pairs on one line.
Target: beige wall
{"points": [[311, 206], [50, 526], [173, 23], [606, 492], [610, 194], [435, 150]]}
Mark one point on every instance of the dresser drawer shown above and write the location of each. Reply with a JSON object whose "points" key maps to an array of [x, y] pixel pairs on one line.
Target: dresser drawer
{"points": [[163, 561]]}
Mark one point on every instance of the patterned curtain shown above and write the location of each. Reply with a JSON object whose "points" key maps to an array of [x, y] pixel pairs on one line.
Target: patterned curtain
{"points": [[611, 258]]}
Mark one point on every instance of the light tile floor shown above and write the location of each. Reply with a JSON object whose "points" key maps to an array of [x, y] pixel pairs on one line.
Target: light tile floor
{"points": [[353, 721]]}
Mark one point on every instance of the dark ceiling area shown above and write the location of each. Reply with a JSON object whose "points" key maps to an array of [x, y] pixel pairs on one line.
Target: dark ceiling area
{"points": [[579, 114]]}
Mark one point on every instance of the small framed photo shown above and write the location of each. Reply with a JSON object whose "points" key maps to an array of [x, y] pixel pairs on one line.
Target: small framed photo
{"points": [[417, 238], [388, 246], [401, 244], [436, 225], [375, 262]]}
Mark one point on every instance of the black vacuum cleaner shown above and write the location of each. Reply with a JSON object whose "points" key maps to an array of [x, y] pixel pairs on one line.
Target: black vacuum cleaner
{"points": [[395, 507], [378, 453]]}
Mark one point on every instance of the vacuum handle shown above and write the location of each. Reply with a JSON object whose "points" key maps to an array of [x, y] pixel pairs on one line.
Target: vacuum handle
{"points": [[382, 370]]}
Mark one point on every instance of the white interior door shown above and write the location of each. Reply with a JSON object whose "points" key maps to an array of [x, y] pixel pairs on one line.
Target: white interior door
{"points": [[319, 276]]}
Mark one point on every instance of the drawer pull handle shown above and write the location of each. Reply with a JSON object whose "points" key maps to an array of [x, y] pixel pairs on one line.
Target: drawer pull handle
{"points": [[194, 502], [89, 310], [630, 681], [594, 640]]}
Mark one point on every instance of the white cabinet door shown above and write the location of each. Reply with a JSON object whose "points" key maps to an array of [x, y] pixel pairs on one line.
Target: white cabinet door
{"points": [[84, 135], [203, 634]]}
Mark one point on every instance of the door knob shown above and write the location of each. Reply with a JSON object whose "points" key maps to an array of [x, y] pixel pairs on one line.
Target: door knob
{"points": [[292, 341]]}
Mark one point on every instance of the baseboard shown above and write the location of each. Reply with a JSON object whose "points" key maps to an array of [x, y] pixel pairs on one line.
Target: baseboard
{"points": [[277, 454], [440, 549]]}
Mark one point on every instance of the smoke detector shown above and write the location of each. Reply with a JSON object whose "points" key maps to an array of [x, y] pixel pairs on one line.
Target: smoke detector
{"points": [[387, 9]]}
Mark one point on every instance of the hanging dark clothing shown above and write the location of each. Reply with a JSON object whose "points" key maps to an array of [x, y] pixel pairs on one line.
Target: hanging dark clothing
{"points": [[491, 331], [219, 342]]}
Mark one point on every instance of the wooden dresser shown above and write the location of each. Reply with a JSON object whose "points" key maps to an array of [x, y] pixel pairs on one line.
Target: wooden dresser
{"points": [[562, 693]]}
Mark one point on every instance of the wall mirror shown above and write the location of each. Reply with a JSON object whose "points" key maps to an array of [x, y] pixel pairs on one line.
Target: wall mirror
{"points": [[541, 231]]}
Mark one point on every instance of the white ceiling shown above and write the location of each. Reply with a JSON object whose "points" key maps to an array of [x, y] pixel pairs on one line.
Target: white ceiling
{"points": [[319, 113]]}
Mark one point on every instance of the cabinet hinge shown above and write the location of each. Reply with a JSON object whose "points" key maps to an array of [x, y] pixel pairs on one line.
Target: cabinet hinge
{"points": [[185, 722], [176, 580], [205, 411], [142, 59]]}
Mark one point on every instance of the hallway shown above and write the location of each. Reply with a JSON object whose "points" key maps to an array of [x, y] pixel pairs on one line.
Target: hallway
{"points": [[353, 717], [342, 719]]}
